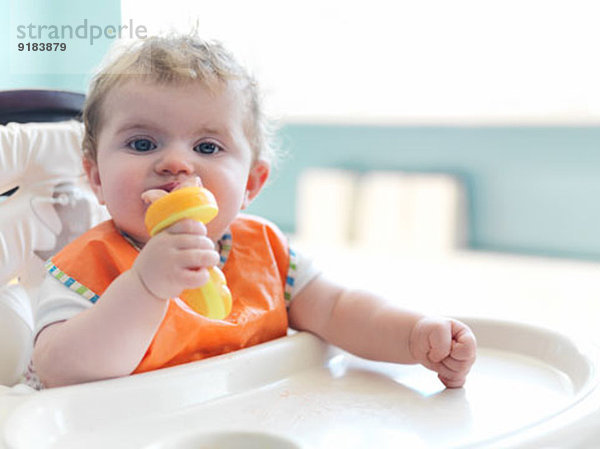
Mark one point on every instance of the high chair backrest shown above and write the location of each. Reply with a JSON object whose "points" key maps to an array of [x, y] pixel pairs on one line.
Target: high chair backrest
{"points": [[38, 105], [46, 203]]}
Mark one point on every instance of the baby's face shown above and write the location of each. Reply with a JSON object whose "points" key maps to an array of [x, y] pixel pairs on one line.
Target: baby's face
{"points": [[157, 136]]}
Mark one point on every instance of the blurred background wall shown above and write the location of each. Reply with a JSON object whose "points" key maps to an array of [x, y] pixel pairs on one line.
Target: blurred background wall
{"points": [[529, 189], [501, 95]]}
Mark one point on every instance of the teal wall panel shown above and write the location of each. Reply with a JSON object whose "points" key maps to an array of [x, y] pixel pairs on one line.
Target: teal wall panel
{"points": [[69, 69], [531, 190]]}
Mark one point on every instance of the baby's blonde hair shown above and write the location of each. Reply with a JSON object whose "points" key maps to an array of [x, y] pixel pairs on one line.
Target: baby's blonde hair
{"points": [[175, 59]]}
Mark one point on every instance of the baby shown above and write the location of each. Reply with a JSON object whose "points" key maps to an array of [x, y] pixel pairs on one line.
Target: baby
{"points": [[159, 115]]}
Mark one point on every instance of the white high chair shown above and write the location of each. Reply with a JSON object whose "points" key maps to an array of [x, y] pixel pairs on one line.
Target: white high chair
{"points": [[47, 204], [531, 387]]}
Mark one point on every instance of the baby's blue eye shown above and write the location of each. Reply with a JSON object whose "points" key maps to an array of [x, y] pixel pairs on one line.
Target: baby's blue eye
{"points": [[207, 148], [141, 145]]}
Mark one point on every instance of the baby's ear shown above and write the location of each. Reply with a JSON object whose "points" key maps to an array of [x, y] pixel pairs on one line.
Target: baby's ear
{"points": [[256, 180], [93, 175]]}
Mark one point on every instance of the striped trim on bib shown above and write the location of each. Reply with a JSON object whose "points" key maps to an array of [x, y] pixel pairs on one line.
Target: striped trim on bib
{"points": [[70, 282], [225, 243], [290, 278]]}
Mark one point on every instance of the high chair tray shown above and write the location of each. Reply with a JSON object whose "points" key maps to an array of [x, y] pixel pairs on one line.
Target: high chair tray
{"points": [[529, 387]]}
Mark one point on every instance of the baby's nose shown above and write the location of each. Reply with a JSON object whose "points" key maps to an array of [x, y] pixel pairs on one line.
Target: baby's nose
{"points": [[174, 161]]}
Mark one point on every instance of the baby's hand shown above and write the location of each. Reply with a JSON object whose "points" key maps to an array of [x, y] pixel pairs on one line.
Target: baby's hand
{"points": [[176, 259], [445, 346]]}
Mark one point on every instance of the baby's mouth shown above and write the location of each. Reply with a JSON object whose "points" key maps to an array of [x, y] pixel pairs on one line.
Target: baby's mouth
{"points": [[169, 187], [179, 183], [153, 194]]}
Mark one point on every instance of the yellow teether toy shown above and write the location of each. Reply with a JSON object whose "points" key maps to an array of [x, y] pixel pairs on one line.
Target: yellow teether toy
{"points": [[213, 299]]}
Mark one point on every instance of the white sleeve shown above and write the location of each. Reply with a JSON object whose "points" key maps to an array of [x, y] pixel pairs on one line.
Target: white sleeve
{"points": [[301, 271], [56, 302]]}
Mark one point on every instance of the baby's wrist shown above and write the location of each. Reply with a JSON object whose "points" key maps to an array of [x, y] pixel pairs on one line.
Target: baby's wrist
{"points": [[416, 333], [143, 284]]}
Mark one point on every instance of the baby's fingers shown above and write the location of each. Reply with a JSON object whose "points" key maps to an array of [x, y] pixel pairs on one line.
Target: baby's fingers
{"points": [[464, 346], [456, 366], [454, 381], [194, 278], [452, 372], [192, 241], [187, 226], [193, 259], [465, 351]]}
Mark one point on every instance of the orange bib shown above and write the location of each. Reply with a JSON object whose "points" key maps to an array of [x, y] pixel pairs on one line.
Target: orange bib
{"points": [[255, 269]]}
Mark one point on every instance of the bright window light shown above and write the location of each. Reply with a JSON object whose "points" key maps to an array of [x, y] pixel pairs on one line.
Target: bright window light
{"points": [[406, 61]]}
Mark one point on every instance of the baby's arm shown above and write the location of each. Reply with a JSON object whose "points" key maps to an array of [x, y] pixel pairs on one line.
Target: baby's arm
{"points": [[371, 327], [110, 339]]}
